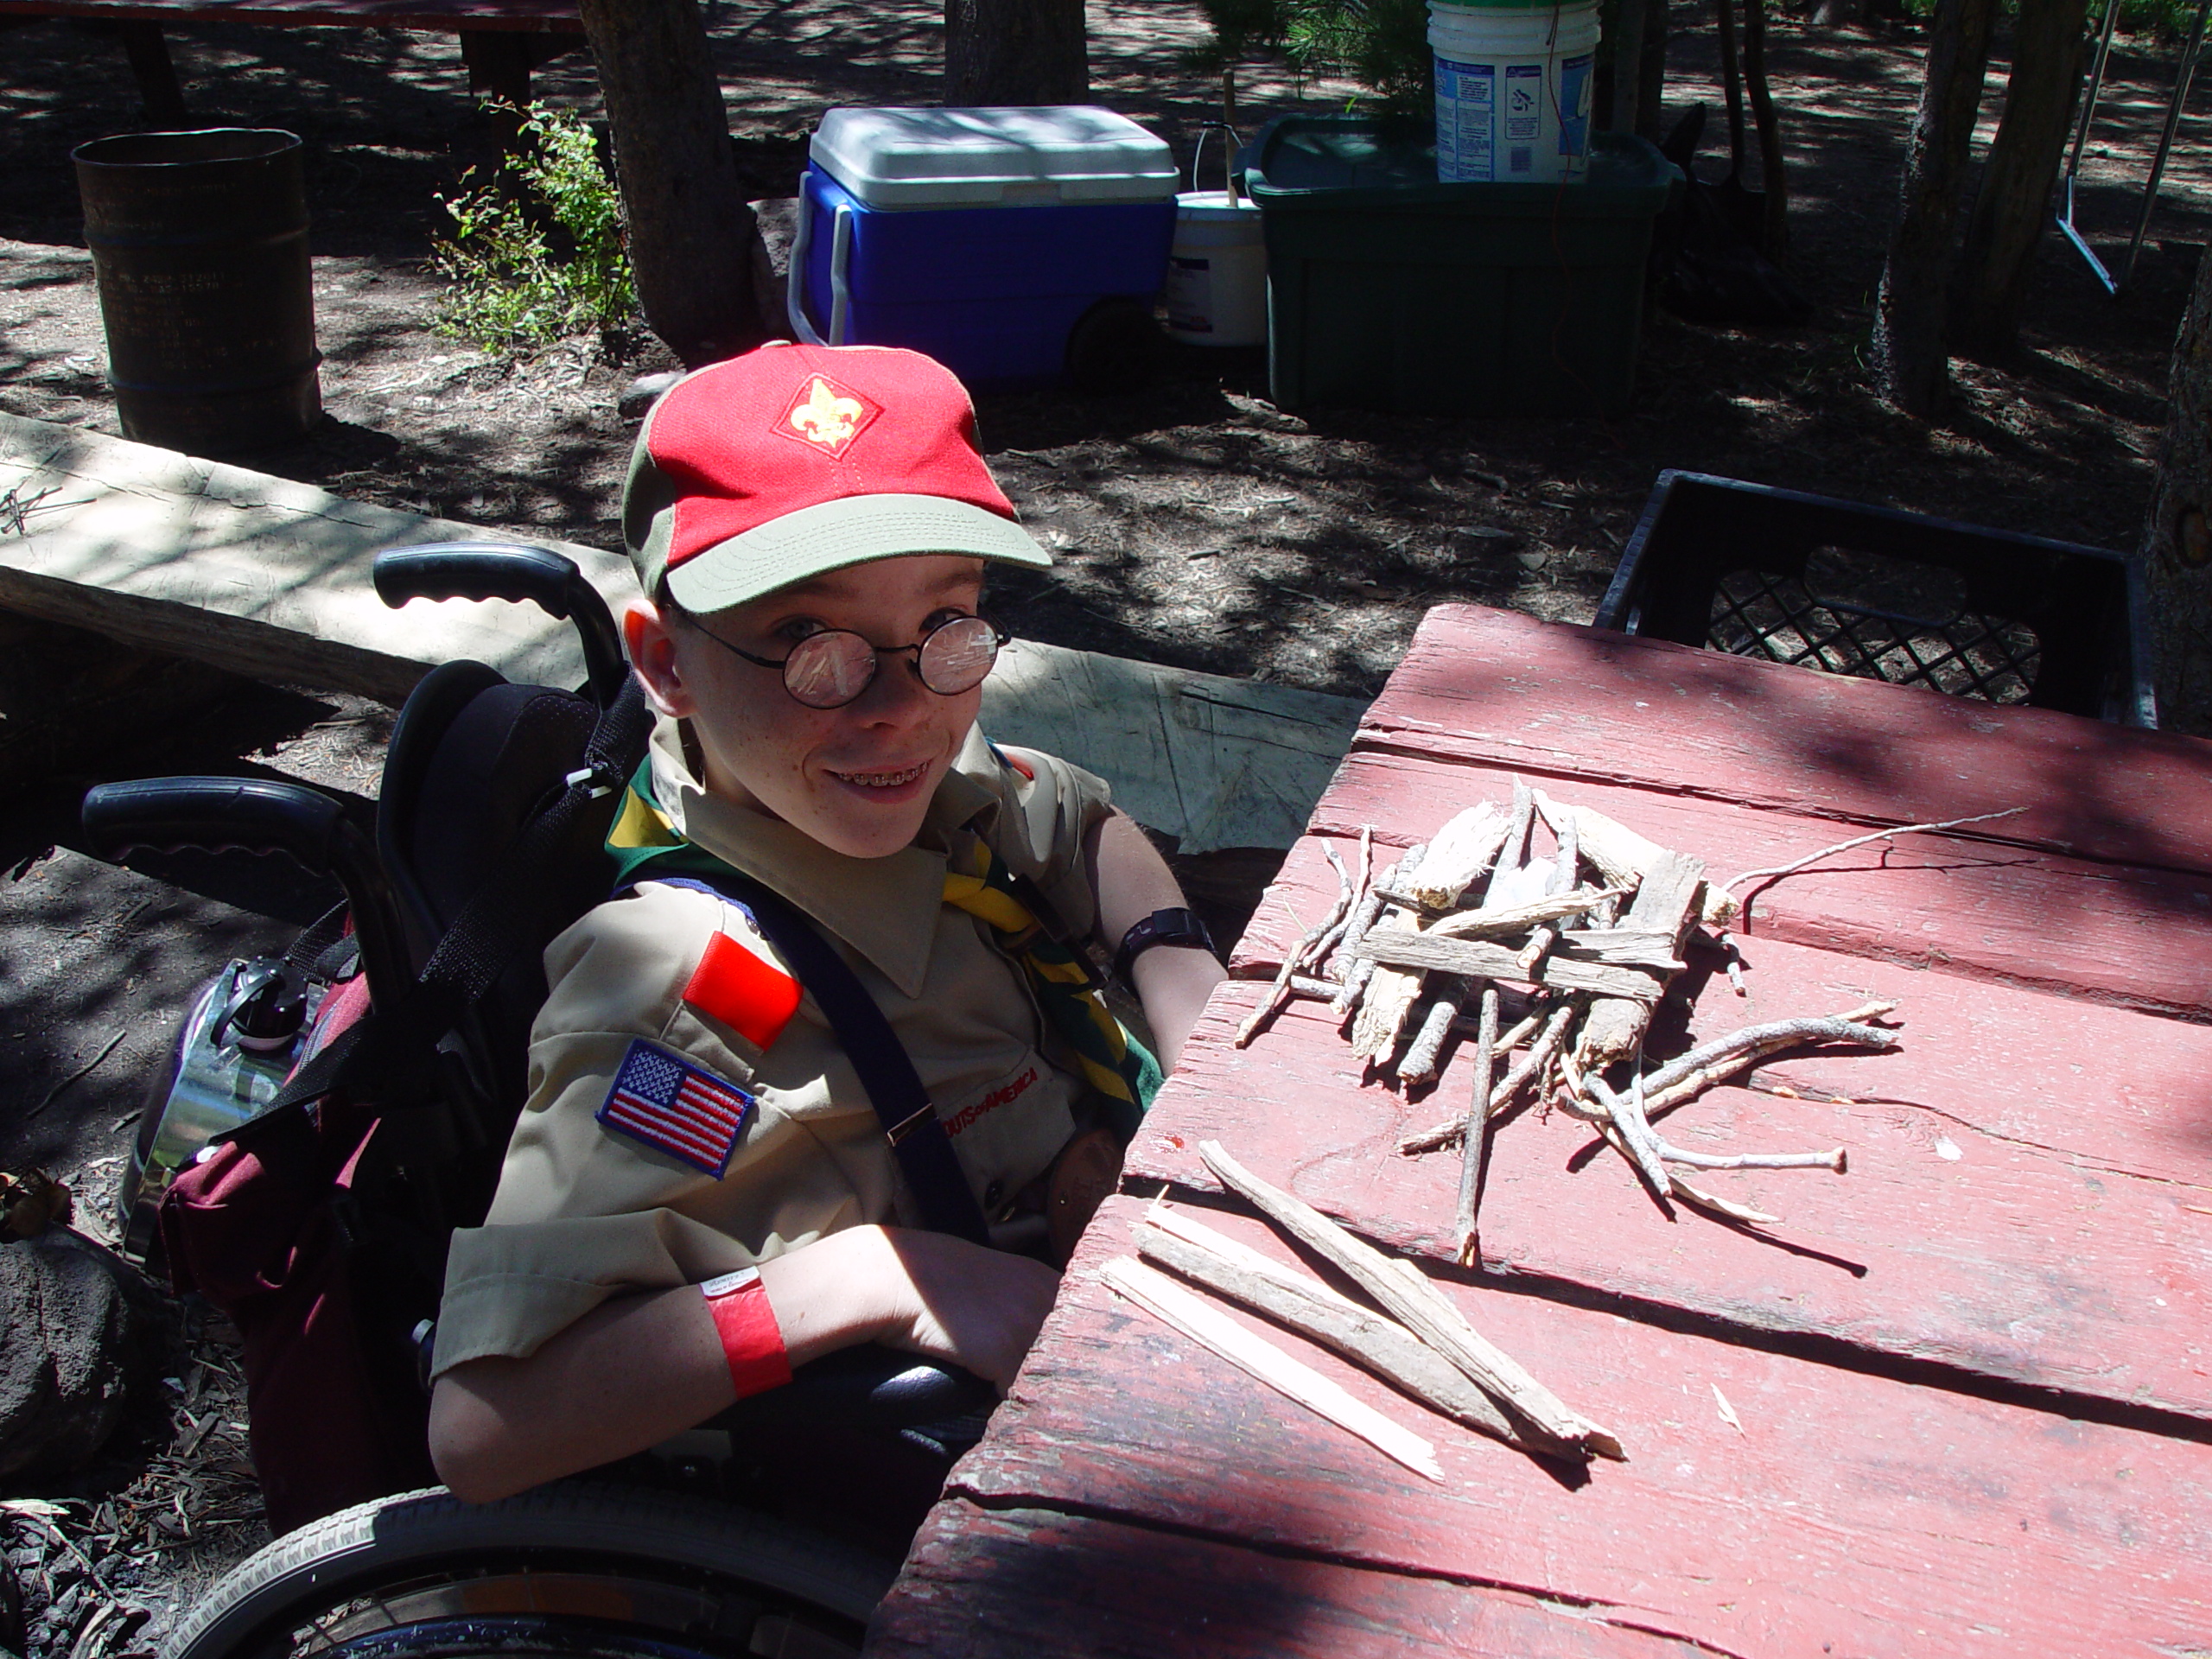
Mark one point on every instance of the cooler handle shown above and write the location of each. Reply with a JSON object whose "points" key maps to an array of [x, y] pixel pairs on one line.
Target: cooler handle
{"points": [[840, 293], [841, 259], [802, 329]]}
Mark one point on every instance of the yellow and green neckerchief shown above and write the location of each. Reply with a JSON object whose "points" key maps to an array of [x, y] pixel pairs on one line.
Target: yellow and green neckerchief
{"points": [[645, 844]]}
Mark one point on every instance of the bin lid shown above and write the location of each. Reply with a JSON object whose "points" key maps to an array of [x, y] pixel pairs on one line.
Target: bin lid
{"points": [[1384, 162], [992, 157]]}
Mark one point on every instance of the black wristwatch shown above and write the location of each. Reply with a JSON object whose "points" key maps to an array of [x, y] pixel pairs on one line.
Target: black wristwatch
{"points": [[1161, 927]]}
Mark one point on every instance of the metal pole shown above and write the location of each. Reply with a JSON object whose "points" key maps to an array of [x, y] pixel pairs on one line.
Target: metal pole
{"points": [[2166, 138], [2081, 137]]}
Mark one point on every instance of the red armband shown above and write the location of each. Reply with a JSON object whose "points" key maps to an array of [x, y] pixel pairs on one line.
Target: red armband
{"points": [[752, 1342]]}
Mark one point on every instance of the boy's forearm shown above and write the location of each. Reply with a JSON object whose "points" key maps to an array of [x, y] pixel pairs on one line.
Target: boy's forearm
{"points": [[635, 1370], [1132, 881]]}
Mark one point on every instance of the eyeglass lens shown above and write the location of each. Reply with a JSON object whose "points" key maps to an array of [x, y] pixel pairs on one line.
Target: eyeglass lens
{"points": [[828, 670]]}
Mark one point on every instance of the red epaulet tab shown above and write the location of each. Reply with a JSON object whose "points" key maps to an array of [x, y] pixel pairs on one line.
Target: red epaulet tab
{"points": [[753, 997]]}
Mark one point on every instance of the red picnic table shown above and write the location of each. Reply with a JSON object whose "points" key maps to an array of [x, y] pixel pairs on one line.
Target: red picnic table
{"points": [[1958, 1401], [501, 40]]}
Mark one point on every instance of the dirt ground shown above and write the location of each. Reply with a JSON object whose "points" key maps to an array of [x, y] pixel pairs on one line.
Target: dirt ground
{"points": [[1196, 525]]}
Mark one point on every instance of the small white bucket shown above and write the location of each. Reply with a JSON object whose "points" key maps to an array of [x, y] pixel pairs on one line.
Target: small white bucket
{"points": [[1513, 91], [1216, 288]]}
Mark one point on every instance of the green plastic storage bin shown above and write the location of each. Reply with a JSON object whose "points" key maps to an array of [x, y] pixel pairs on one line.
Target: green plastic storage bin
{"points": [[1388, 290]]}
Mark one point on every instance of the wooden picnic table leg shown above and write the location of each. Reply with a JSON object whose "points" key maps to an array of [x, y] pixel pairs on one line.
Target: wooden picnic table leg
{"points": [[148, 52], [499, 62]]}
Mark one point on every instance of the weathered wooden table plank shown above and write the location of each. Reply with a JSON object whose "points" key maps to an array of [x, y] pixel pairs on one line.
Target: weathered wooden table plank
{"points": [[1499, 689], [1851, 1514], [1024, 1582], [2021, 915], [1958, 1237]]}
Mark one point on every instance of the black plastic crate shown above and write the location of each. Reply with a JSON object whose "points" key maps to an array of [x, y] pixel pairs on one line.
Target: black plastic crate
{"points": [[1881, 594]]}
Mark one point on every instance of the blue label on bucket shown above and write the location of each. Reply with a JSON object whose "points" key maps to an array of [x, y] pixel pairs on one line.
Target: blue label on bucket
{"points": [[1574, 92], [1465, 103]]}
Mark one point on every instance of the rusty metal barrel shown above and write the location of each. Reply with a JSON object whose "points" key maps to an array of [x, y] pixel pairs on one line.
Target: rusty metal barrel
{"points": [[200, 245]]}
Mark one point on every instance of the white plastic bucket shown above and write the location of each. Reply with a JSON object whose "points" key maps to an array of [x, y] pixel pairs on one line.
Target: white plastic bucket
{"points": [[1513, 91], [1216, 288]]}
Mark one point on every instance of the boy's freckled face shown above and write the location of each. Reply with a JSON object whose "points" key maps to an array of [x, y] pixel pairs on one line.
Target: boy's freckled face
{"points": [[858, 779]]}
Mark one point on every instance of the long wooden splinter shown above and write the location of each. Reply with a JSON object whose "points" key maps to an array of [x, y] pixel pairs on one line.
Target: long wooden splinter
{"points": [[1210, 1328], [1475, 1164], [1310, 1309], [1401, 1291]]}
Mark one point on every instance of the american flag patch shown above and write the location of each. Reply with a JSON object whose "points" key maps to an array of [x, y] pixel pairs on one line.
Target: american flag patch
{"points": [[674, 1107]]}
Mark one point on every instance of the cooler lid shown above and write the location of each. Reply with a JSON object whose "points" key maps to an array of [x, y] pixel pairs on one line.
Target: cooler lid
{"points": [[991, 157]]}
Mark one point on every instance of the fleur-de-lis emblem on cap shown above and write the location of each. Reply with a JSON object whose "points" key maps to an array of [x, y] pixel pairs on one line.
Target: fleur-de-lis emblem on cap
{"points": [[828, 416]]}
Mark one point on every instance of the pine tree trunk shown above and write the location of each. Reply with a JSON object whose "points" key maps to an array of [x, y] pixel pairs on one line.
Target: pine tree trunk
{"points": [[2176, 539], [690, 232], [1911, 365], [2013, 204], [1015, 51]]}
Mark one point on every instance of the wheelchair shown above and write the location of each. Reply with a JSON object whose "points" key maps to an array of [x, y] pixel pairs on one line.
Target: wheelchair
{"points": [[773, 1529]]}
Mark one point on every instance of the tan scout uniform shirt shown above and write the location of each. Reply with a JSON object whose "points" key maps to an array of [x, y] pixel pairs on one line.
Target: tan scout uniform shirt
{"points": [[584, 1212]]}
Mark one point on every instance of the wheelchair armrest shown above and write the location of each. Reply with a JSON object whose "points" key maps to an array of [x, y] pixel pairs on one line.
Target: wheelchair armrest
{"points": [[866, 1387]]}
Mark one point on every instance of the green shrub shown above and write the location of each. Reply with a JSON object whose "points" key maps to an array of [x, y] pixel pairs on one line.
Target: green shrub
{"points": [[534, 263]]}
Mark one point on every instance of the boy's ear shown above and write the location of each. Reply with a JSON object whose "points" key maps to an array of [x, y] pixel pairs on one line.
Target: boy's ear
{"points": [[652, 657]]}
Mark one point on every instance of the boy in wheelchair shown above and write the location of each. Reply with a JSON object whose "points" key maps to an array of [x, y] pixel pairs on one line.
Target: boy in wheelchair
{"points": [[713, 1181]]}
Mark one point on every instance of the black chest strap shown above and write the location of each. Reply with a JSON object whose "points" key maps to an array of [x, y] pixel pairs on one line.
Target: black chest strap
{"points": [[894, 1089]]}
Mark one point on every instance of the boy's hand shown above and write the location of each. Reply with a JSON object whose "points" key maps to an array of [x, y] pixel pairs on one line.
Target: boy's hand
{"points": [[928, 1293], [974, 1307]]}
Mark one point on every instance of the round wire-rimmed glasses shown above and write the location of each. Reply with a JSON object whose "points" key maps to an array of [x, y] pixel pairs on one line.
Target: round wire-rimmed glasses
{"points": [[830, 669]]}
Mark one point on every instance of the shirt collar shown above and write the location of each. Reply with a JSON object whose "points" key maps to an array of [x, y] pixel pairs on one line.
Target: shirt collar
{"points": [[884, 908]]}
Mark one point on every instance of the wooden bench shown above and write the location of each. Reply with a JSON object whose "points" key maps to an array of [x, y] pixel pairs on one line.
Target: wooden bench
{"points": [[501, 40]]}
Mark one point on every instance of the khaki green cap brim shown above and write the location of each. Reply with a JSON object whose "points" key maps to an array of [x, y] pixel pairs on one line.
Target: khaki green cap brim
{"points": [[856, 530]]}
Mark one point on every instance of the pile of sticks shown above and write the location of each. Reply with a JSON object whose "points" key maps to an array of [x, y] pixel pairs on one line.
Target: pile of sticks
{"points": [[1413, 1336], [1475, 927]]}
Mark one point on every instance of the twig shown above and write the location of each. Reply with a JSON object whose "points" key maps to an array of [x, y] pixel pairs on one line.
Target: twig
{"points": [[1315, 941], [1702, 1067], [1475, 1163], [1569, 970], [1570, 856], [1514, 851], [1440, 1136], [1359, 970], [1310, 1309], [1493, 923], [1796, 865], [1420, 1064], [1402, 1292], [1642, 1145], [1176, 1307], [1835, 1159], [54, 1093]]}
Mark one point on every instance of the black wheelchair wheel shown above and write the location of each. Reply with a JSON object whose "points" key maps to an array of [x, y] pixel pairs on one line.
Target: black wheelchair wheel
{"points": [[570, 1570]]}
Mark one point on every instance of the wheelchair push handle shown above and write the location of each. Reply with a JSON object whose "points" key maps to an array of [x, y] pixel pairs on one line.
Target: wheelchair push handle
{"points": [[536, 575], [253, 815], [214, 815]]}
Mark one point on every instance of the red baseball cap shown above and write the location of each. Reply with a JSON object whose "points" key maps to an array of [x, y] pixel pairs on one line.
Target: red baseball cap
{"points": [[756, 473]]}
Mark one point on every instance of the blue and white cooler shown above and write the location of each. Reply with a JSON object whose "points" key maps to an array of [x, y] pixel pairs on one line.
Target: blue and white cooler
{"points": [[982, 237]]}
